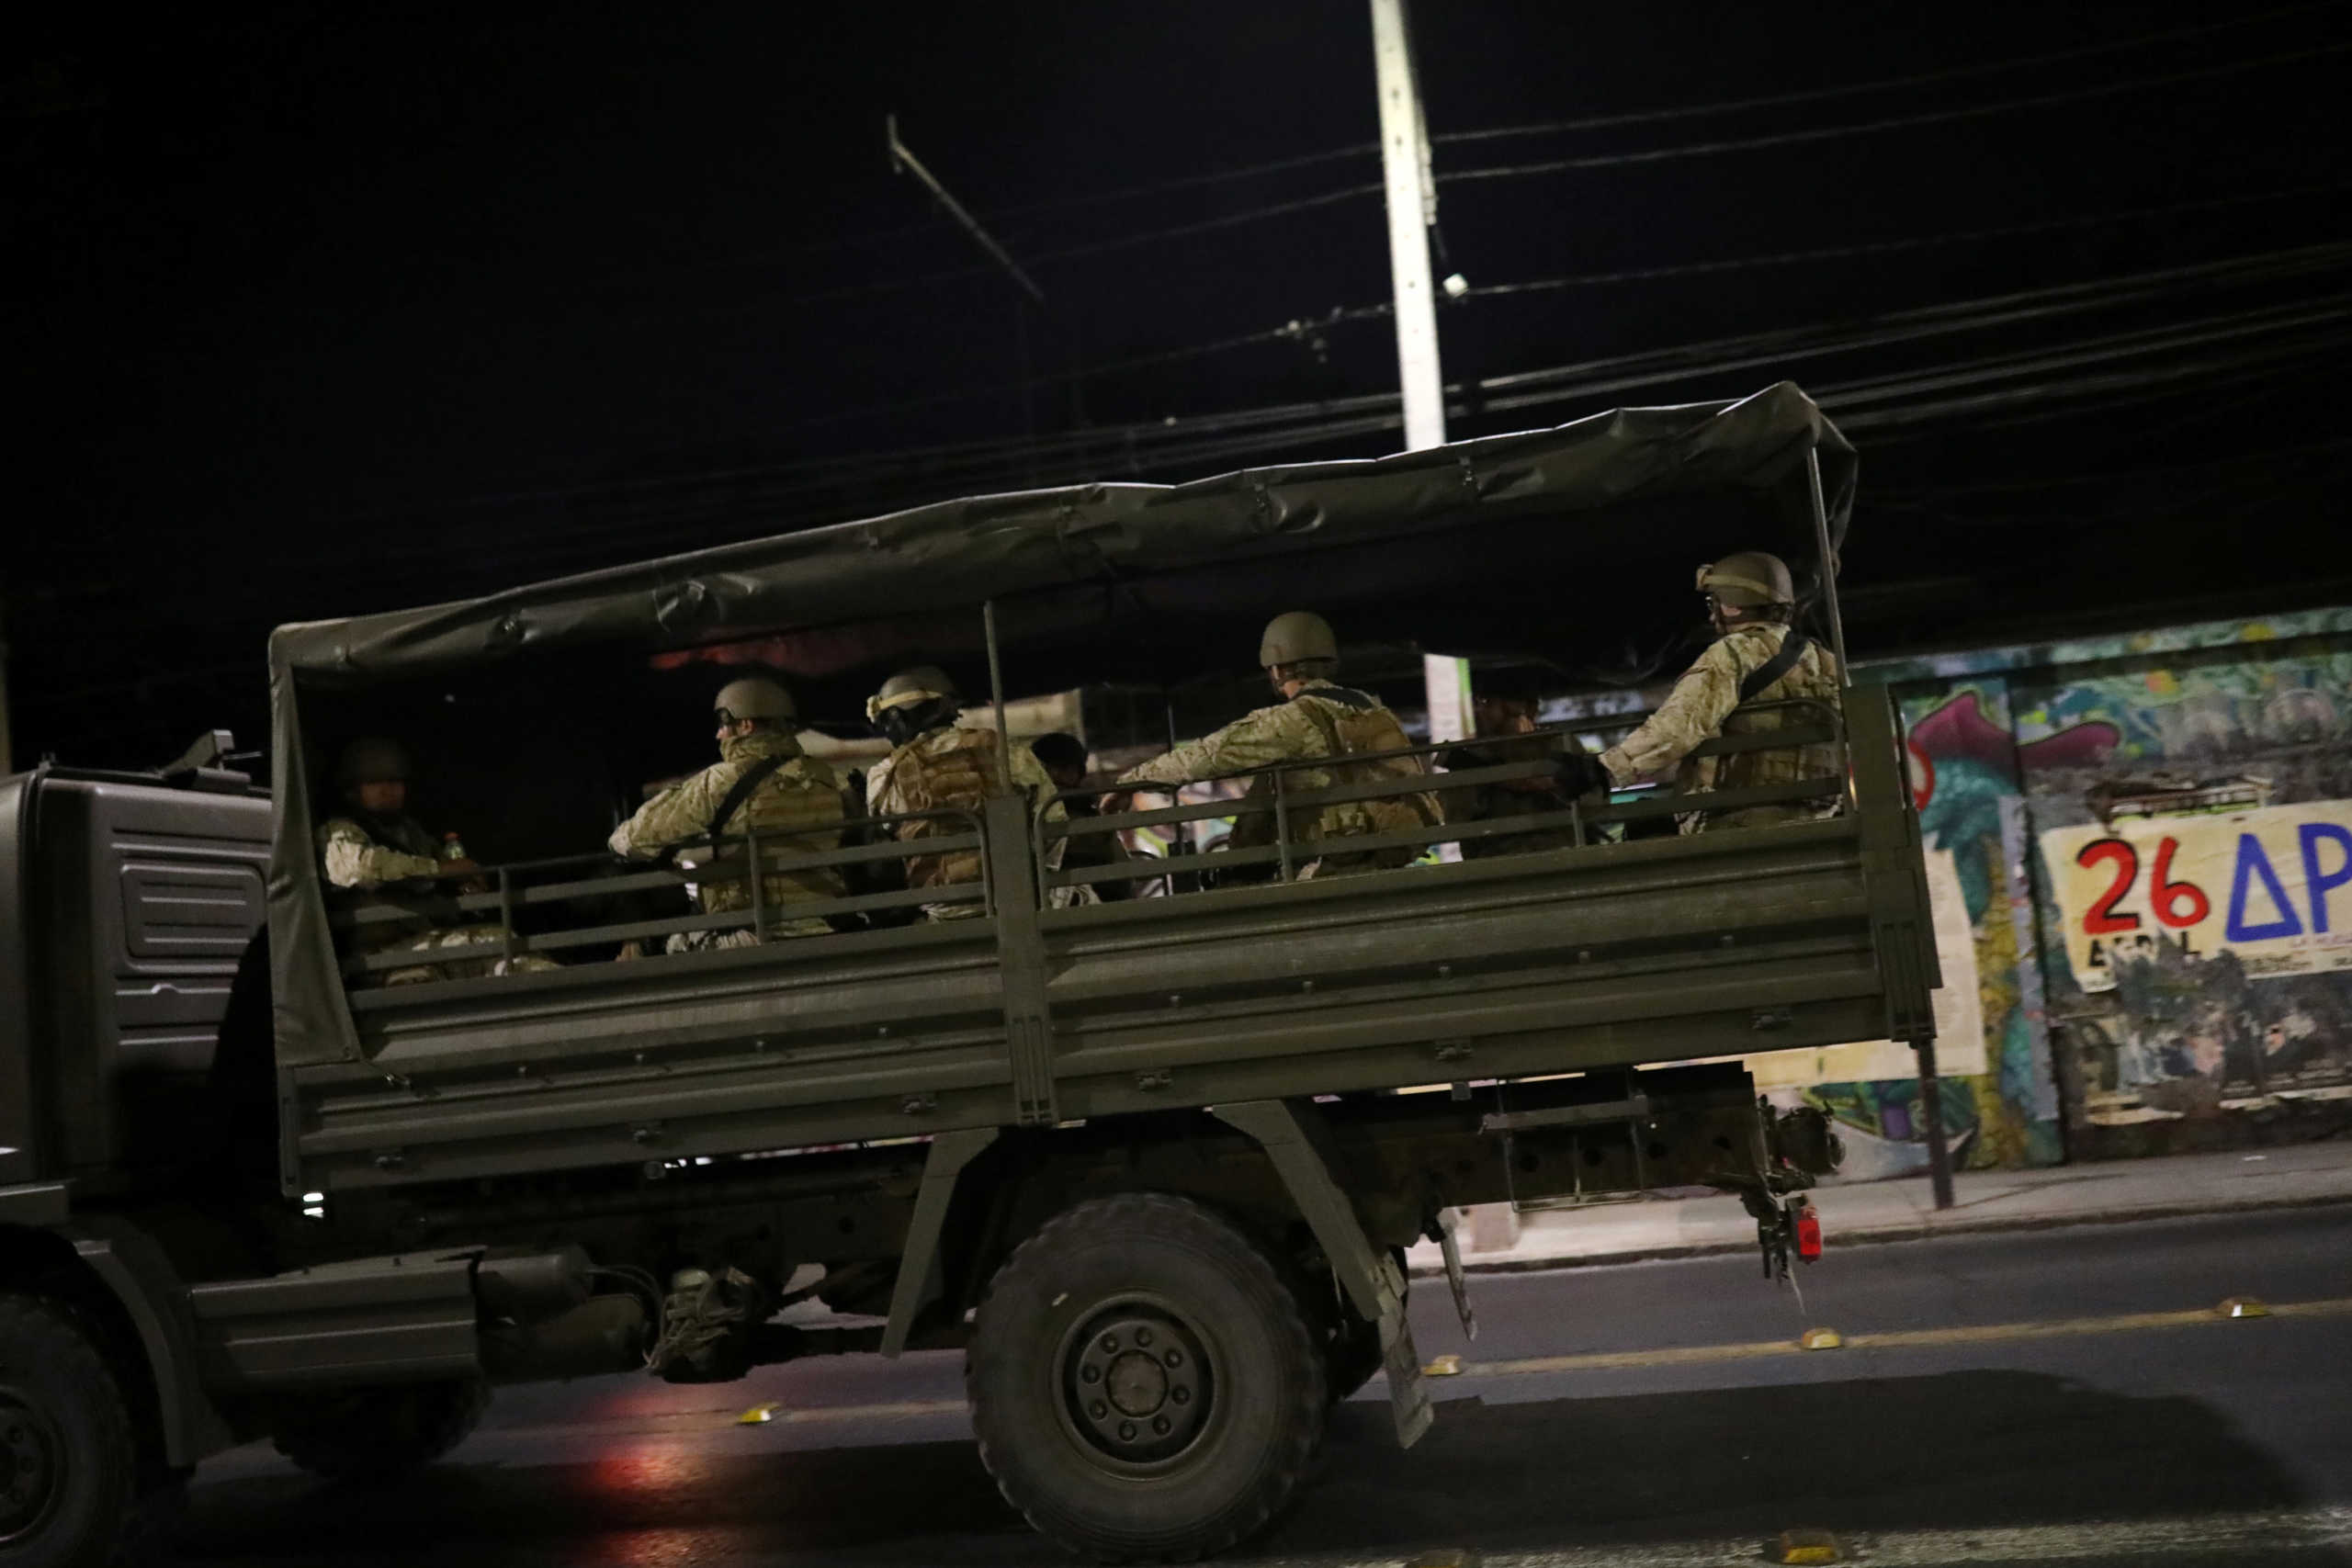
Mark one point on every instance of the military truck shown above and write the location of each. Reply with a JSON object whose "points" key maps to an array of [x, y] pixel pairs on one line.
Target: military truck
{"points": [[1151, 1163]]}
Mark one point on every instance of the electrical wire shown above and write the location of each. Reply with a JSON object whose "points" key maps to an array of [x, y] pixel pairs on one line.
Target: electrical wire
{"points": [[1892, 246], [1893, 122], [1161, 446], [1858, 89]]}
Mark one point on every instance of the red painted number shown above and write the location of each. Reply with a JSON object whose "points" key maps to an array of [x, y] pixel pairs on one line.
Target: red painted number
{"points": [[2101, 919], [2178, 904]]}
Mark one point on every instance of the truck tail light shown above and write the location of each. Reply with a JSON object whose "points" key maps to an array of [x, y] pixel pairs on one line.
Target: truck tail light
{"points": [[1808, 1233]]}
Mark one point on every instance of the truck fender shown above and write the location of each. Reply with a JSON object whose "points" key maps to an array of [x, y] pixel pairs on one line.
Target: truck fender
{"points": [[1376, 1287], [142, 1282], [918, 1284]]}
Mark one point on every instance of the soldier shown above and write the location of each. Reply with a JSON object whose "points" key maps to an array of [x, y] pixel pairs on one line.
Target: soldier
{"points": [[1502, 715], [763, 781], [375, 845], [1316, 720], [1063, 756], [1756, 656], [936, 765]]}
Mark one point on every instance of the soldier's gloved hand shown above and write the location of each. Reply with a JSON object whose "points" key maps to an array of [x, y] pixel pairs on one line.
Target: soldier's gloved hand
{"points": [[1579, 772]]}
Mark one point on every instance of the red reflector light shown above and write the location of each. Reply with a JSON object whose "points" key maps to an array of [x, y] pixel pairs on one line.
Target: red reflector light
{"points": [[1808, 1234]]}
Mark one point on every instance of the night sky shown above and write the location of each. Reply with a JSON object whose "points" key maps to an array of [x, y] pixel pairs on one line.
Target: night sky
{"points": [[318, 311]]}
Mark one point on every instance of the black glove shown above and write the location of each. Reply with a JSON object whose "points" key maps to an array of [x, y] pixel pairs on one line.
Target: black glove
{"points": [[1578, 773]]}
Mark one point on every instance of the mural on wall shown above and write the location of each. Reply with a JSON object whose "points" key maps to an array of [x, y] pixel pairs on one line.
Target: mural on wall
{"points": [[2196, 883], [1999, 1100]]}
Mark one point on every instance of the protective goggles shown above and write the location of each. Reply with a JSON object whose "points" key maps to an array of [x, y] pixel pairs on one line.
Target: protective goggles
{"points": [[876, 706]]}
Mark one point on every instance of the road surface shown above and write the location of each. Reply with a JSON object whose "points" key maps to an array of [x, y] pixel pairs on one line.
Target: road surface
{"points": [[2049, 1395]]}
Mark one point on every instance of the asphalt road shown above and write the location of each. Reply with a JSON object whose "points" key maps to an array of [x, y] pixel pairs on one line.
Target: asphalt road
{"points": [[1606, 1415]]}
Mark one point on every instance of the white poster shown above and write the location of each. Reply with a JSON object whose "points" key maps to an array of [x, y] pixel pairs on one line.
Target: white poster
{"points": [[2273, 886]]}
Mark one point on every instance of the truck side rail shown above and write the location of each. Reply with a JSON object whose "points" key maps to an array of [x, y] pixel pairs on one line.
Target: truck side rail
{"points": [[1283, 803], [730, 857]]}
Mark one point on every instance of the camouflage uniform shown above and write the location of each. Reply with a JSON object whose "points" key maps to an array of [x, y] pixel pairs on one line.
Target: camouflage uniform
{"points": [[1700, 707], [1324, 721], [953, 766], [363, 853], [803, 794]]}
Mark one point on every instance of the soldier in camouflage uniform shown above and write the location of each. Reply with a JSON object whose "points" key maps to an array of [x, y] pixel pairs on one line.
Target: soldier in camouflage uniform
{"points": [[1750, 599], [1509, 718], [375, 845], [795, 802], [936, 765], [1316, 721]]}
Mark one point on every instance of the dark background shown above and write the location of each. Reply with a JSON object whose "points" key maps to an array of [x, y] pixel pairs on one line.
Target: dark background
{"points": [[321, 311]]}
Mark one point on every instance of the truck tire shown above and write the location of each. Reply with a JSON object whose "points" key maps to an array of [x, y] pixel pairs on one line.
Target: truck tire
{"points": [[377, 1434], [68, 1461], [1144, 1383]]}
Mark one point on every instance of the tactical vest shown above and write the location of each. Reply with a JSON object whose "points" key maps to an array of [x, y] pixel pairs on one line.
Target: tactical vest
{"points": [[1813, 675], [956, 770], [802, 794], [1350, 730]]}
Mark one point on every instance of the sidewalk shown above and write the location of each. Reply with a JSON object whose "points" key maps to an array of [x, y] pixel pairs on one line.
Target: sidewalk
{"points": [[2097, 1194]]}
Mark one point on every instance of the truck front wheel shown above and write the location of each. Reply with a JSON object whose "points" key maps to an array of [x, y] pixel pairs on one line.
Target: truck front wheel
{"points": [[1143, 1381], [68, 1462], [375, 1434]]}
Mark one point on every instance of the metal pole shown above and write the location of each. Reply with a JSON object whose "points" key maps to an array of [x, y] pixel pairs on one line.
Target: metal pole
{"points": [[1931, 1106], [996, 694], [1412, 206], [1828, 564], [902, 159]]}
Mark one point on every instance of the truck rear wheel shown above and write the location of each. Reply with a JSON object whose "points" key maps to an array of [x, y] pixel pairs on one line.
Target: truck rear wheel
{"points": [[1144, 1383], [375, 1434], [68, 1460]]}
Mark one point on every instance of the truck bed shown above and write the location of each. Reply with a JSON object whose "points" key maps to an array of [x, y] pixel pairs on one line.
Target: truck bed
{"points": [[1512, 967]]}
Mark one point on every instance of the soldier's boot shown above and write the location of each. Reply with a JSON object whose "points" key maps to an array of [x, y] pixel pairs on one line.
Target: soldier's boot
{"points": [[707, 1321]]}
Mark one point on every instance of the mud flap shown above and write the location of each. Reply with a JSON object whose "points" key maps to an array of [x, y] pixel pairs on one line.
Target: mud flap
{"points": [[1443, 1226], [1374, 1285]]}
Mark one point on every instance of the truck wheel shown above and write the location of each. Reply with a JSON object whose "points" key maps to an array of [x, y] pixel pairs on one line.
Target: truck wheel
{"points": [[67, 1456], [375, 1434], [1143, 1381]]}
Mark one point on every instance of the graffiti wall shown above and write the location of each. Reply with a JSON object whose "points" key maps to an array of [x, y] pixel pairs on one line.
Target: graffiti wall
{"points": [[2194, 851], [2153, 838], [1999, 1100]]}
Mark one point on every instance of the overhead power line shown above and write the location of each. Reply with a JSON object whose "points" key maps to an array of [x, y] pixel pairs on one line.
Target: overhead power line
{"points": [[1882, 85], [1891, 122], [778, 500], [1656, 116], [1303, 329]]}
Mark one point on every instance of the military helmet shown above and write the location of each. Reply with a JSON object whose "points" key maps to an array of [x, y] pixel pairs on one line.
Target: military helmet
{"points": [[924, 682], [1747, 580], [373, 760], [754, 696], [1296, 635]]}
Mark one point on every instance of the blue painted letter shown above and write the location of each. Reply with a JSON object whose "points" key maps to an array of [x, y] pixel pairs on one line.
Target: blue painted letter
{"points": [[2252, 861], [2315, 880]]}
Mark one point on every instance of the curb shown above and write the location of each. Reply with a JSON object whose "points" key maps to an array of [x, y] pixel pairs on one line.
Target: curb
{"points": [[1887, 1235]]}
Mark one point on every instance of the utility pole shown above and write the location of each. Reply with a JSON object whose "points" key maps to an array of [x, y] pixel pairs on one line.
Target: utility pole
{"points": [[1412, 207]]}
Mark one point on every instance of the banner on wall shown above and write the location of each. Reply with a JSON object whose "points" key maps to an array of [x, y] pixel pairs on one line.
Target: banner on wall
{"points": [[2272, 885]]}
